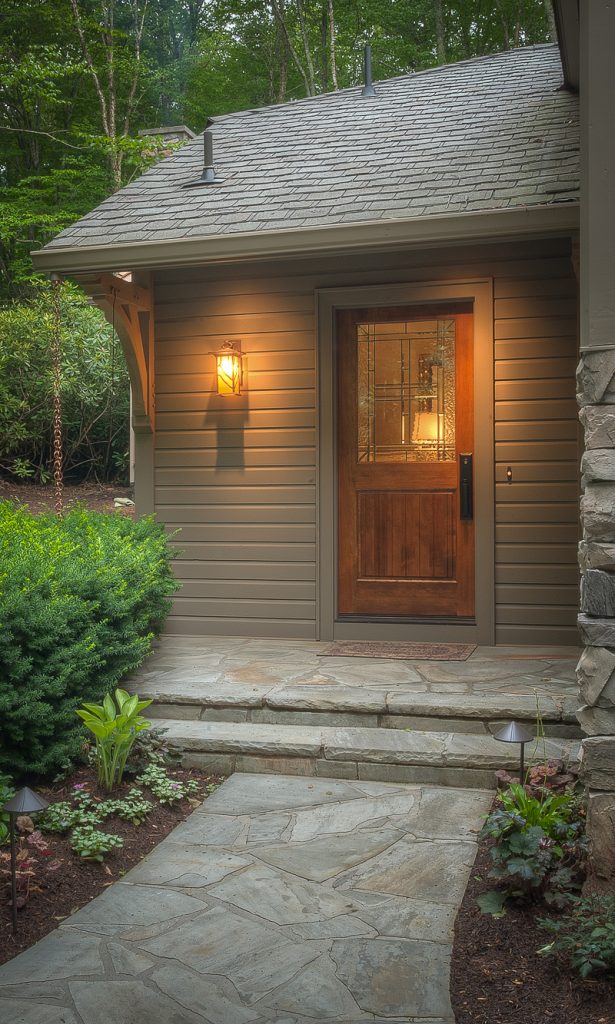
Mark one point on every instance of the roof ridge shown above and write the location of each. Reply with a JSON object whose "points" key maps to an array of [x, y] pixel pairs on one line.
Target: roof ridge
{"points": [[218, 118]]}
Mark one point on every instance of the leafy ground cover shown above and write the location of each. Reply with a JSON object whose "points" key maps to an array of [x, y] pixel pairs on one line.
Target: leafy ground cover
{"points": [[497, 975], [59, 871]]}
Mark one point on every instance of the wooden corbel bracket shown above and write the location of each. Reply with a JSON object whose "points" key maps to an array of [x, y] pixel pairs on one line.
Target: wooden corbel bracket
{"points": [[130, 308]]}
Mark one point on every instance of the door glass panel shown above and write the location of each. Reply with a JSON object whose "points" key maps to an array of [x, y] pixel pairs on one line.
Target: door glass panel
{"points": [[406, 391]]}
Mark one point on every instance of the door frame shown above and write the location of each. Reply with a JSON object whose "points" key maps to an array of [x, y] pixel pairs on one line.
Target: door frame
{"points": [[329, 300]]}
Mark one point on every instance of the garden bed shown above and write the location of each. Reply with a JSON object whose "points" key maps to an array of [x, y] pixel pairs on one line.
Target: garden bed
{"points": [[41, 497], [497, 977], [62, 882]]}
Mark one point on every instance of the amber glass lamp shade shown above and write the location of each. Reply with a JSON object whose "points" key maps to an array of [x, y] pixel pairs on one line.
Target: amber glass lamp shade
{"points": [[228, 369]]}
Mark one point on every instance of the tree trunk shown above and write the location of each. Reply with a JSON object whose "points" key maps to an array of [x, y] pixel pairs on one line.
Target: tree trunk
{"points": [[282, 62], [332, 50], [551, 20], [324, 56], [440, 37], [280, 15], [306, 47]]}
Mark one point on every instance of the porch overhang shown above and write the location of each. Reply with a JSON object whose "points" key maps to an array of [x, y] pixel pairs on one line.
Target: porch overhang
{"points": [[366, 236]]}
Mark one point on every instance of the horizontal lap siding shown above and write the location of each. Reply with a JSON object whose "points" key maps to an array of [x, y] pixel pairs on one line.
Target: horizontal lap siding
{"points": [[236, 475], [536, 435]]}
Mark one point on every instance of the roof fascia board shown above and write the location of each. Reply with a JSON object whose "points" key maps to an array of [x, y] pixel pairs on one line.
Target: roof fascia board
{"points": [[567, 25], [366, 235]]}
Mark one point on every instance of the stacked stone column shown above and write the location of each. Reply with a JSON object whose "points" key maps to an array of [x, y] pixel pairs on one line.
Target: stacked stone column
{"points": [[596, 669], [596, 397]]}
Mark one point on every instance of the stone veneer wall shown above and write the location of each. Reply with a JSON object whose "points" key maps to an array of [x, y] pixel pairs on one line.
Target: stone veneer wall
{"points": [[596, 396], [596, 669]]}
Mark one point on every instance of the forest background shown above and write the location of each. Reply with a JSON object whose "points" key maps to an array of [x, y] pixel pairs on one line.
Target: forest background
{"points": [[79, 79]]}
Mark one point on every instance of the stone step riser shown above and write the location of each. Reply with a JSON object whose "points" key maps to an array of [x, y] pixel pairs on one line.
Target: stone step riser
{"points": [[201, 712], [385, 755], [437, 775]]}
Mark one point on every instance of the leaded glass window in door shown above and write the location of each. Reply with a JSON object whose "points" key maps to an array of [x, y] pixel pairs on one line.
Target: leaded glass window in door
{"points": [[406, 391]]}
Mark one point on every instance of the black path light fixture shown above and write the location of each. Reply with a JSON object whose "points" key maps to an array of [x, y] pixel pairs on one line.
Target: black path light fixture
{"points": [[515, 733], [25, 801]]}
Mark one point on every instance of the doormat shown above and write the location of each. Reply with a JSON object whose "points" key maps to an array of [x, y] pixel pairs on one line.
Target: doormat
{"points": [[398, 652]]}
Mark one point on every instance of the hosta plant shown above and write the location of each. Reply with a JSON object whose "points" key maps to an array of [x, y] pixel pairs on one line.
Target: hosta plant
{"points": [[584, 935], [115, 724]]}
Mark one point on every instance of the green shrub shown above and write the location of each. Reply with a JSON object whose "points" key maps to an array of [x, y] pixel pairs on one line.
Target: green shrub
{"points": [[81, 599]]}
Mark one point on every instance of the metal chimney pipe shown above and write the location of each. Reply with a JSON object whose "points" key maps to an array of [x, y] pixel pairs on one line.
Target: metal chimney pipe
{"points": [[368, 88], [208, 174]]}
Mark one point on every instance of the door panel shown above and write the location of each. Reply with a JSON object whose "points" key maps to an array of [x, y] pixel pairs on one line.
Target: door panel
{"points": [[405, 414]]}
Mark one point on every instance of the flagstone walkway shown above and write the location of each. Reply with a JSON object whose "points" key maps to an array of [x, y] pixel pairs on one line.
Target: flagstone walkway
{"points": [[281, 899]]}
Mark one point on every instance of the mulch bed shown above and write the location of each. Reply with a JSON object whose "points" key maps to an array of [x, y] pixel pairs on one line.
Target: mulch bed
{"points": [[497, 978], [58, 891], [41, 497]]}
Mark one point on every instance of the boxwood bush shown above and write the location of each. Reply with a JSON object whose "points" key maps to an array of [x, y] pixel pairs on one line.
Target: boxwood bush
{"points": [[81, 599]]}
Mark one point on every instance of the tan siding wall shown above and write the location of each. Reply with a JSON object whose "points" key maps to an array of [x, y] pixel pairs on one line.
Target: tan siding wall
{"points": [[238, 475], [536, 435]]}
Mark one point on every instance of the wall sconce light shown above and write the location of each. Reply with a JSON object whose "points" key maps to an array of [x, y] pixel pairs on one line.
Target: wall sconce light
{"points": [[229, 369]]}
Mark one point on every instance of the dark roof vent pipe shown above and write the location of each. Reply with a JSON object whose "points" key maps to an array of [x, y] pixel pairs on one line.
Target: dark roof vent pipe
{"points": [[368, 88], [208, 174]]}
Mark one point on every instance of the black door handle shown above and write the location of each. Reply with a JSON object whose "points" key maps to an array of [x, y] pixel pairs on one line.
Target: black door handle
{"points": [[466, 486]]}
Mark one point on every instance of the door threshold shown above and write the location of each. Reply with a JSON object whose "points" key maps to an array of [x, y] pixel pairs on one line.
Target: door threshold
{"points": [[409, 631], [401, 620]]}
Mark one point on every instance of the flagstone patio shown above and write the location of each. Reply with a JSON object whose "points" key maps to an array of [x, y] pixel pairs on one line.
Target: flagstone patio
{"points": [[281, 899]]}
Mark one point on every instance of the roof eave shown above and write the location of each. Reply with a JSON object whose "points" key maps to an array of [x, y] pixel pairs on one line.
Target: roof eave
{"points": [[558, 218], [567, 26]]}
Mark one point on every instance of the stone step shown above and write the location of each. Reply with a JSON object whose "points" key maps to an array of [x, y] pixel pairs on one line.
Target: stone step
{"points": [[386, 755], [356, 707]]}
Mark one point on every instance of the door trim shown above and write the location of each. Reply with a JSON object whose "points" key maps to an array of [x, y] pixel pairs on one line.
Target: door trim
{"points": [[480, 291]]}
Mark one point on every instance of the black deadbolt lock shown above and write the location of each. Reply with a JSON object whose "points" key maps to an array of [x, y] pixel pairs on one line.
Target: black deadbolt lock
{"points": [[466, 486]]}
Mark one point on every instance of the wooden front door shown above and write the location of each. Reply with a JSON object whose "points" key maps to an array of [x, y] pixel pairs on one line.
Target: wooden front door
{"points": [[405, 416]]}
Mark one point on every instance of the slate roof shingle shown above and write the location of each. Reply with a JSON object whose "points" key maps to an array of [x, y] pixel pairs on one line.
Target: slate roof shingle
{"points": [[487, 134]]}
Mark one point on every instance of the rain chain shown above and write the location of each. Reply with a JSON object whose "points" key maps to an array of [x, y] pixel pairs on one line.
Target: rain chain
{"points": [[56, 362]]}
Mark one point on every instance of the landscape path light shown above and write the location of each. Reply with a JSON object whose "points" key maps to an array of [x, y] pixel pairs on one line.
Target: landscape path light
{"points": [[25, 801], [515, 733]]}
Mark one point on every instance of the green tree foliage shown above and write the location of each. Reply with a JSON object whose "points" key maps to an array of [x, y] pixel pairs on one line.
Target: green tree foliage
{"points": [[95, 393], [80, 78], [81, 599]]}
